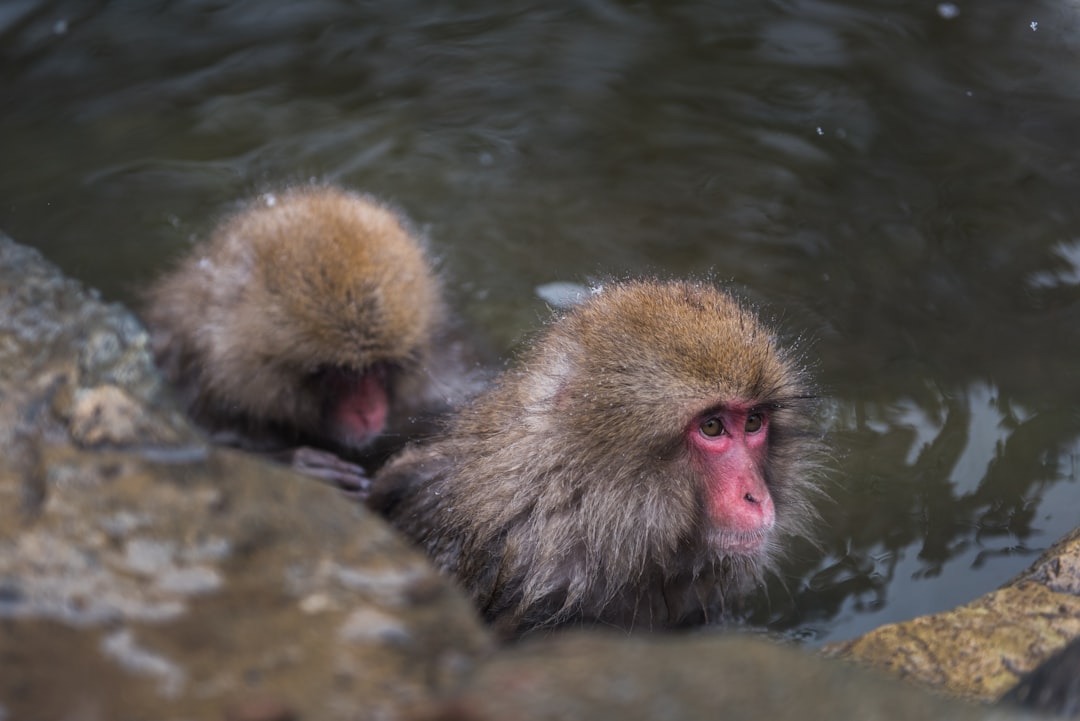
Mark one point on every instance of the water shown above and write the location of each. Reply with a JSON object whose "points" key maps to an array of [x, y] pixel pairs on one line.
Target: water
{"points": [[895, 182]]}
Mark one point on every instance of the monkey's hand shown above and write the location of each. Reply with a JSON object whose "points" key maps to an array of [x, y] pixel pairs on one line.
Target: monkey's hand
{"points": [[324, 465]]}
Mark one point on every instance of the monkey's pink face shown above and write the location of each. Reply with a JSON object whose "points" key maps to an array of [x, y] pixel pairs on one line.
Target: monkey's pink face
{"points": [[358, 406], [730, 447]]}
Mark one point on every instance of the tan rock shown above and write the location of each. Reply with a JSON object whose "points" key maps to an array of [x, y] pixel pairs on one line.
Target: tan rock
{"points": [[980, 650]]}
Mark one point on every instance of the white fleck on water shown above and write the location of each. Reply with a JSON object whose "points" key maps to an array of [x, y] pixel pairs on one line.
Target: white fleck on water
{"points": [[948, 10], [1034, 25], [561, 294], [1068, 253]]}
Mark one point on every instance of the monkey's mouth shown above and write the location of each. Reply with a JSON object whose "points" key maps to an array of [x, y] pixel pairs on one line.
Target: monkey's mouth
{"points": [[752, 544]]}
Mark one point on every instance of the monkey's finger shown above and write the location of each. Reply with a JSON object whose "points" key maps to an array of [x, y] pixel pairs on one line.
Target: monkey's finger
{"points": [[327, 467]]}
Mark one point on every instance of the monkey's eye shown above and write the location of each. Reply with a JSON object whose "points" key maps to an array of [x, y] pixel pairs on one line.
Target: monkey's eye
{"points": [[754, 422], [712, 427]]}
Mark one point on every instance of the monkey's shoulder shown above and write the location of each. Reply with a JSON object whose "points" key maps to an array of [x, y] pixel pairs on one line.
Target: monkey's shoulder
{"points": [[407, 488], [413, 492]]}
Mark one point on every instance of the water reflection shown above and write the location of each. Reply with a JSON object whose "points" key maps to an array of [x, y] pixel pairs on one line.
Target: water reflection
{"points": [[895, 182], [972, 479]]}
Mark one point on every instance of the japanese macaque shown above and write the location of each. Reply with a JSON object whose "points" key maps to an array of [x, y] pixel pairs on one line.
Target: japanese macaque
{"points": [[311, 319], [638, 469]]}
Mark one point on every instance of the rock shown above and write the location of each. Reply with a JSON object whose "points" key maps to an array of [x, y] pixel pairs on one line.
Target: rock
{"points": [[145, 574], [1054, 687], [980, 650], [683, 678]]}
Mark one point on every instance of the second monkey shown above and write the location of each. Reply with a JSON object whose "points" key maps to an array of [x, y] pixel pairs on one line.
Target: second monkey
{"points": [[310, 318]]}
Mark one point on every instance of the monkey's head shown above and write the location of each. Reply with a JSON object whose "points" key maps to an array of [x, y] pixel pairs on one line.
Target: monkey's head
{"points": [[697, 407], [326, 300], [672, 436]]}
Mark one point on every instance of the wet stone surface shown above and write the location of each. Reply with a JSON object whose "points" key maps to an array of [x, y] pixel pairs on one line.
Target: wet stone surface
{"points": [[679, 678], [144, 574]]}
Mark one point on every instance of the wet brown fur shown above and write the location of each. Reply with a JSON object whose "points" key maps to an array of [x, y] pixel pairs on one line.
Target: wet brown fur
{"points": [[565, 494], [296, 282]]}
